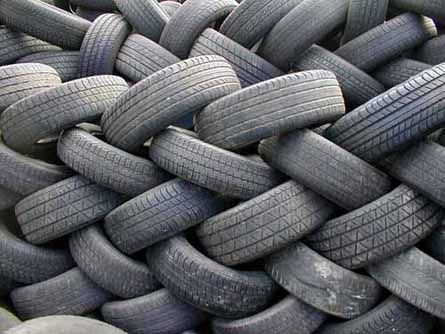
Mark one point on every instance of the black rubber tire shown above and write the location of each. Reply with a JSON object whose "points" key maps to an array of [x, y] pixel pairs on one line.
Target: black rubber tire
{"points": [[249, 67], [104, 5], [313, 19], [101, 45], [159, 214], [289, 316], [64, 207], [434, 245], [207, 285], [414, 277], [211, 167], [7, 320], [82, 100], [430, 51], [189, 21], [270, 108], [45, 22], [165, 97], [8, 198], [70, 293], [28, 264], [384, 228], [64, 324], [159, 312], [64, 62], [170, 7], [107, 267], [363, 15], [434, 9], [106, 165], [264, 224], [395, 119], [146, 16], [326, 168], [140, 57], [253, 19], [391, 316], [22, 80], [357, 86], [88, 14], [387, 41], [321, 283], [398, 71], [7, 285]]}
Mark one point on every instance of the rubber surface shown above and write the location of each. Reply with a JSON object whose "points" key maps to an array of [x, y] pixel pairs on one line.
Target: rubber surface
{"points": [[398, 71], [170, 7], [434, 9], [430, 53], [105, 5], [7, 320]]}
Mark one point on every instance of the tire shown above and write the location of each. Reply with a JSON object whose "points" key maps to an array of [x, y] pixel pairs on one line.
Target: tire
{"points": [[29, 264], [313, 19], [434, 245], [159, 312], [45, 22], [165, 97], [71, 293], [83, 100], [170, 7], [140, 57], [249, 68], [289, 316], [264, 224], [399, 71], [211, 167], [106, 165], [109, 268], [146, 16], [64, 62], [379, 230], [393, 120], [64, 207], [321, 283], [270, 108], [430, 53], [6, 285], [251, 20], [22, 80], [325, 168], [101, 45], [160, 213], [189, 21], [432, 9], [414, 277], [387, 41], [7, 320], [8, 198], [357, 86], [88, 14], [391, 316], [104, 5], [65, 324], [228, 293]]}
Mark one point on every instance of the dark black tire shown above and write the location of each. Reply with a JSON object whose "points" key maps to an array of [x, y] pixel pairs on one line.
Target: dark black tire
{"points": [[64, 207], [28, 264], [70, 293], [101, 45], [105, 5], [249, 67], [387, 41], [165, 97], [170, 7], [434, 9], [263, 224], [270, 108], [22, 80], [313, 19], [159, 214], [326, 168], [381, 229], [398, 71], [213, 288], [430, 51], [64, 62], [357, 86], [434, 245], [211, 167], [395, 119], [82, 100], [289, 316], [321, 283], [140, 57], [7, 320], [391, 316], [414, 277], [45, 22], [88, 14], [7, 285], [189, 21], [106, 165], [8, 198], [159, 312], [253, 19]]}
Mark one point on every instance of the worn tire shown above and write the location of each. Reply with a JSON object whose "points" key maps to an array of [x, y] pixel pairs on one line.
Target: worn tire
{"points": [[8, 198], [88, 14], [398, 71], [170, 7], [7, 285], [430, 51], [105, 5], [434, 9]]}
